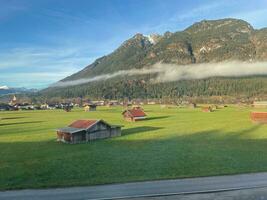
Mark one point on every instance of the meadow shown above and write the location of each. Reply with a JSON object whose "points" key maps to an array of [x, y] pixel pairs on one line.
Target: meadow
{"points": [[171, 143]]}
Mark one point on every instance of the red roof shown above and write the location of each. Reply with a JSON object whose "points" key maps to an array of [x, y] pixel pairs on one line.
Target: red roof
{"points": [[259, 115], [137, 113], [82, 123]]}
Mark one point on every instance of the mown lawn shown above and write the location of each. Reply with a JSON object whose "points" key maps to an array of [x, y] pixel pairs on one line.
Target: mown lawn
{"points": [[172, 143]]}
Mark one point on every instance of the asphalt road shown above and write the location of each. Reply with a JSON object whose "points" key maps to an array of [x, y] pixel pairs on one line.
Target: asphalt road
{"points": [[142, 189], [243, 194]]}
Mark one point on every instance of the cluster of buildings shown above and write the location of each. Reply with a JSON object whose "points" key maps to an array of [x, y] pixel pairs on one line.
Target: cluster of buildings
{"points": [[15, 105]]}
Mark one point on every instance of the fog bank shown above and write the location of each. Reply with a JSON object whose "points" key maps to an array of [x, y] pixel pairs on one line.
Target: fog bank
{"points": [[172, 72]]}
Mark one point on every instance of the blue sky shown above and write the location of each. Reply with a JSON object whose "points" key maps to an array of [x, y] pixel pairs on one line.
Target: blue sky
{"points": [[43, 41]]}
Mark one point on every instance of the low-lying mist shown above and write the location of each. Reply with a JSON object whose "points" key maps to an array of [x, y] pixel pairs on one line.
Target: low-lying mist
{"points": [[172, 72]]}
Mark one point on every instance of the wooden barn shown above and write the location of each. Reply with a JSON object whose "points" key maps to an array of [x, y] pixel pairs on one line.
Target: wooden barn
{"points": [[90, 107], [87, 130], [134, 114], [260, 117], [207, 109]]}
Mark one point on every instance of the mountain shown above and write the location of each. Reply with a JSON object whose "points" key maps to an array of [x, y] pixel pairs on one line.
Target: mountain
{"points": [[207, 41], [5, 90]]}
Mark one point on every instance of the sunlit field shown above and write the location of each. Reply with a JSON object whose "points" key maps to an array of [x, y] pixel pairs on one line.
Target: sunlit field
{"points": [[171, 143]]}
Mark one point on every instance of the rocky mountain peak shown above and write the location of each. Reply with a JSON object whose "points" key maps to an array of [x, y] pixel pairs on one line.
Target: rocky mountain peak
{"points": [[229, 24]]}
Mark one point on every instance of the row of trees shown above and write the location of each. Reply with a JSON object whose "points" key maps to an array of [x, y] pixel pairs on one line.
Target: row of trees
{"points": [[141, 88]]}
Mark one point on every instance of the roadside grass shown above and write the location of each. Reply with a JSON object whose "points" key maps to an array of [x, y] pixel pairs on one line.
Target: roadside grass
{"points": [[172, 143]]}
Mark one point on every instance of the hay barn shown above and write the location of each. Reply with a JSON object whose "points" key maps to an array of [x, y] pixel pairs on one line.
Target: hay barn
{"points": [[207, 109], [91, 107], [87, 130], [260, 117], [134, 114]]}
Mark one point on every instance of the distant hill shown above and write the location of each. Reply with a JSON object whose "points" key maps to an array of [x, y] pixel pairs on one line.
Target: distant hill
{"points": [[203, 42], [5, 90]]}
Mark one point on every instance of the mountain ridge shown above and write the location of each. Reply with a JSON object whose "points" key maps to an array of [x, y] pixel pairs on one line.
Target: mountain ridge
{"points": [[206, 41]]}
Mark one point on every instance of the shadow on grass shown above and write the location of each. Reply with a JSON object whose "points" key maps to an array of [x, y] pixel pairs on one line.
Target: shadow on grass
{"points": [[17, 123], [139, 130], [203, 153], [154, 118], [7, 118]]}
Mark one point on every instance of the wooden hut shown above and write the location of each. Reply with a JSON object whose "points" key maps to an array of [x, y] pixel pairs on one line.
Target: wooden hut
{"points": [[207, 109], [134, 114], [67, 108], [113, 103], [13, 101], [87, 130], [90, 107], [260, 117]]}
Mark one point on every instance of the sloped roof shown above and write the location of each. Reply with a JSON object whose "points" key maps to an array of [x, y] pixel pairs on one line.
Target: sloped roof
{"points": [[70, 130], [85, 124], [136, 112]]}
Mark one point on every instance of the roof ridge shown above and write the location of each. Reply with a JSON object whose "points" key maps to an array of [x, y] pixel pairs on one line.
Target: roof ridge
{"points": [[95, 121]]}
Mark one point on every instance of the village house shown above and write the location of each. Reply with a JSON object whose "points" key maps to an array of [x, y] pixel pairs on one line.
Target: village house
{"points": [[134, 114], [25, 106], [13, 101], [113, 103], [98, 103], [151, 102], [45, 106], [87, 130], [260, 104], [5, 107]]}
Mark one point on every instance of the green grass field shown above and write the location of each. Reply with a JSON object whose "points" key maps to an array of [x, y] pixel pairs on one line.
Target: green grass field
{"points": [[172, 143]]}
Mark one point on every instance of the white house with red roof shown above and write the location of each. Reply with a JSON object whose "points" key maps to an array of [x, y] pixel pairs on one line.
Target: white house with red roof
{"points": [[134, 114], [87, 130]]}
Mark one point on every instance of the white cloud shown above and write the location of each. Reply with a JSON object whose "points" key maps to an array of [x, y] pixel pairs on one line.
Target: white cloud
{"points": [[39, 66], [42, 57], [32, 79]]}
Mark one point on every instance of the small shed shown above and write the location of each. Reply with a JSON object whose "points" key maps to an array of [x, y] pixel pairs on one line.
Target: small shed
{"points": [[207, 109], [67, 108], [134, 114], [260, 117], [87, 130], [90, 107]]}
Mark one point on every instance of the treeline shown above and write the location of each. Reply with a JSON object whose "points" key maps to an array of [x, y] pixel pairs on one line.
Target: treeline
{"points": [[142, 89]]}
